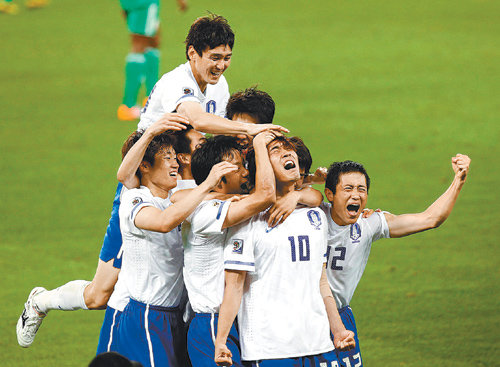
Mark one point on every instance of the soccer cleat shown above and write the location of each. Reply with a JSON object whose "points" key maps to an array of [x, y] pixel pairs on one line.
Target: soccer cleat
{"points": [[8, 8], [36, 4], [128, 113], [30, 320]]}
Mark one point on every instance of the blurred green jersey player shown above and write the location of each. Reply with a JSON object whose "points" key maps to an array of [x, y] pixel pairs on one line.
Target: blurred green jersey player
{"points": [[142, 62]]}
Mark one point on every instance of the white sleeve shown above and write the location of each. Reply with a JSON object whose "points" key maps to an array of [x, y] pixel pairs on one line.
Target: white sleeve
{"points": [[132, 202], [209, 217], [178, 91], [378, 226], [239, 247]]}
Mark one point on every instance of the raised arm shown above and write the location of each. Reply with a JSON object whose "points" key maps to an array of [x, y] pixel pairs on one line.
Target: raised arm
{"points": [[233, 292], [209, 123], [437, 212], [265, 185], [154, 219], [343, 339], [132, 160]]}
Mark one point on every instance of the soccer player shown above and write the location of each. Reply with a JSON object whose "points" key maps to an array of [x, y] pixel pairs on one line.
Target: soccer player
{"points": [[151, 329], [198, 89], [142, 62], [350, 235], [278, 275], [204, 232]]}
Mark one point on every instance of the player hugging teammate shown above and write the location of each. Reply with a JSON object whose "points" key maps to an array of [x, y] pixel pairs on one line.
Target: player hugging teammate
{"points": [[219, 251]]}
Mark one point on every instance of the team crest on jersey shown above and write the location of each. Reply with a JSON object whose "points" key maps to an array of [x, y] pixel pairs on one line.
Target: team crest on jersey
{"points": [[355, 232], [314, 218], [188, 91], [237, 246], [216, 203], [136, 201]]}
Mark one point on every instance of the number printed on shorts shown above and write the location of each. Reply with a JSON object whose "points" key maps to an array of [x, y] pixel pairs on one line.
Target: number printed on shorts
{"points": [[336, 257], [304, 248]]}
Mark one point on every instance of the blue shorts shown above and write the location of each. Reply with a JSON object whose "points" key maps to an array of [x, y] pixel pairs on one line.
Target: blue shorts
{"points": [[153, 335], [113, 238], [328, 359], [108, 338], [351, 358], [201, 337]]}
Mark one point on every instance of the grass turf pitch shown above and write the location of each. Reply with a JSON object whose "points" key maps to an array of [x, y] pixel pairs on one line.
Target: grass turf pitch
{"points": [[399, 86]]}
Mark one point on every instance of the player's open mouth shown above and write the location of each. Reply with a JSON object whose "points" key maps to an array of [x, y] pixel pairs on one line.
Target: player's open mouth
{"points": [[289, 165], [352, 209], [173, 174], [216, 74]]}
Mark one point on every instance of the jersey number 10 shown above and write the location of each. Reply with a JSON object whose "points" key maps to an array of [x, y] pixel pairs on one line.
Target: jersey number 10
{"points": [[304, 248]]}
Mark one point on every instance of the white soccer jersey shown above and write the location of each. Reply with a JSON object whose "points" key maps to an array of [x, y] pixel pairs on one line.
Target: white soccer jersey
{"points": [[282, 314], [177, 86], [348, 250], [203, 239], [152, 261], [182, 185], [120, 296]]}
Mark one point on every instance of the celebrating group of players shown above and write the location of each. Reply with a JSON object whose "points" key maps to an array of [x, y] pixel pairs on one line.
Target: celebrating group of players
{"points": [[227, 255]]}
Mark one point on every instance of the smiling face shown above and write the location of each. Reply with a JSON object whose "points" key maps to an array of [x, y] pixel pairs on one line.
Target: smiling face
{"points": [[349, 199], [208, 68], [163, 173], [284, 161]]}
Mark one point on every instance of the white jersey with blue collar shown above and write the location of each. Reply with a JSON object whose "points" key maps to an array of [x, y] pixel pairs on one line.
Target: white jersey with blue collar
{"points": [[177, 86], [282, 313], [152, 261], [348, 251]]}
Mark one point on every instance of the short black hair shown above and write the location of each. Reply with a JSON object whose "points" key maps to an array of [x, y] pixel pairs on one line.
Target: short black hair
{"points": [[112, 359], [210, 31], [158, 143], [182, 143], [212, 151], [252, 168], [338, 168], [252, 101], [305, 158]]}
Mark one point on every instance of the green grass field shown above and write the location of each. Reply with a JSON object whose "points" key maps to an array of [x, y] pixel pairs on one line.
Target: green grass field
{"points": [[400, 86]]}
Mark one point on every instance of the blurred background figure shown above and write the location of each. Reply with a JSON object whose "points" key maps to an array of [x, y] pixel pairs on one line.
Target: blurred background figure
{"points": [[9, 7], [143, 61]]}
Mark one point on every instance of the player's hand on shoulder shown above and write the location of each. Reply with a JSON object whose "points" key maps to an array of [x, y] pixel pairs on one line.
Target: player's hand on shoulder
{"points": [[254, 129], [460, 164], [222, 355], [282, 209], [217, 172], [366, 213], [168, 122], [344, 340], [319, 176]]}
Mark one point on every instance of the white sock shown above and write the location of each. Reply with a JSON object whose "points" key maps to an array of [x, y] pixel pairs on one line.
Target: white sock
{"points": [[68, 297]]}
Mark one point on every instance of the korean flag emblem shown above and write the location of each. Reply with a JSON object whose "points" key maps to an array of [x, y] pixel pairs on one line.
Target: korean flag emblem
{"points": [[136, 201], [237, 246], [314, 218], [355, 232], [188, 91]]}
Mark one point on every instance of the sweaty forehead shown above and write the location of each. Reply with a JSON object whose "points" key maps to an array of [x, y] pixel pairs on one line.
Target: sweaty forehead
{"points": [[352, 178], [219, 50], [166, 150]]}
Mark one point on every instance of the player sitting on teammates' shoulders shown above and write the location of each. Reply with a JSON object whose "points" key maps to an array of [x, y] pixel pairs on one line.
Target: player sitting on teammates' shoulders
{"points": [[278, 275], [350, 235]]}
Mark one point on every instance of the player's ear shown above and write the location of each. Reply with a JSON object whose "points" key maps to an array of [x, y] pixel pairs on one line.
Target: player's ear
{"points": [[329, 194], [144, 167], [191, 52], [184, 158]]}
